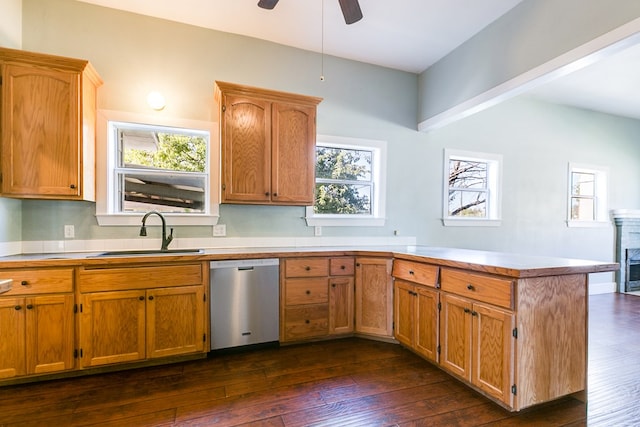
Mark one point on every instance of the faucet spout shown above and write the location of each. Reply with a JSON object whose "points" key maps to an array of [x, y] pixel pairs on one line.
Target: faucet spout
{"points": [[165, 240]]}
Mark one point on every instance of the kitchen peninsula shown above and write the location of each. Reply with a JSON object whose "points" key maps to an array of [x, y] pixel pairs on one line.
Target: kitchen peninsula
{"points": [[513, 327]]}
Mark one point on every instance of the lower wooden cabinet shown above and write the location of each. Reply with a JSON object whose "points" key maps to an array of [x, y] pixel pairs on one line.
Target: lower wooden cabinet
{"points": [[137, 324], [417, 318], [316, 298], [477, 344], [37, 322], [374, 297]]}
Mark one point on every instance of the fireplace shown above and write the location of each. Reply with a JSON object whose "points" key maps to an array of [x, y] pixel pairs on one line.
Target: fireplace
{"points": [[632, 267], [627, 249]]}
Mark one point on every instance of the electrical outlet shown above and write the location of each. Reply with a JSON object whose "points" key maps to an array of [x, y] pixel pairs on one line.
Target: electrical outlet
{"points": [[317, 231], [69, 232], [219, 230]]}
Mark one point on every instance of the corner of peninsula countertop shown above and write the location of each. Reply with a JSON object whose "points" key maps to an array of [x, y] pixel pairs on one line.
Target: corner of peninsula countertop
{"points": [[501, 263]]}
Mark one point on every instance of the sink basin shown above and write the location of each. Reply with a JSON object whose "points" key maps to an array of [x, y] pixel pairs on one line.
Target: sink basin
{"points": [[150, 252]]}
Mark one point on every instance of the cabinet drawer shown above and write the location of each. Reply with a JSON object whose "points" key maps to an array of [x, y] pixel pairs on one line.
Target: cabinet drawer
{"points": [[489, 289], [342, 266], [306, 267], [126, 278], [45, 281], [306, 322], [306, 291], [416, 272]]}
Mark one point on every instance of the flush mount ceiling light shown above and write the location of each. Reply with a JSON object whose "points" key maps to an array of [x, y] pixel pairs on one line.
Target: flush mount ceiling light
{"points": [[156, 101], [350, 9]]}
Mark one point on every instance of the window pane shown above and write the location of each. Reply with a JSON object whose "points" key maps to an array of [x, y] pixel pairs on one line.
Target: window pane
{"points": [[583, 209], [467, 174], [343, 164], [468, 204], [165, 192], [583, 184], [343, 199], [162, 151]]}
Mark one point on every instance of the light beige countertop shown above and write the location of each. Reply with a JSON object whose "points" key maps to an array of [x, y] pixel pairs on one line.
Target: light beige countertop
{"points": [[507, 264]]}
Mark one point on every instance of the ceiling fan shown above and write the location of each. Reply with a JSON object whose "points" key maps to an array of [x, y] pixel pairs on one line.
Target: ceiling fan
{"points": [[350, 9]]}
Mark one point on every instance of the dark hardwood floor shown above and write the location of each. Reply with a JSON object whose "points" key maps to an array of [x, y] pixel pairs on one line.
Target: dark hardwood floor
{"points": [[350, 382]]}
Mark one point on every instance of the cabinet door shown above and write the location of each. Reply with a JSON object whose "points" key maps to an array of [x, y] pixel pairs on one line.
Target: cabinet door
{"points": [[404, 312], [293, 154], [341, 305], [492, 367], [49, 335], [175, 321], [374, 297], [40, 132], [12, 343], [112, 327], [455, 335], [426, 322], [246, 145]]}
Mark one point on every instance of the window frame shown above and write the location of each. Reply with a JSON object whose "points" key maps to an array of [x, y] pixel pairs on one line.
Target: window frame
{"points": [[378, 202], [106, 164], [494, 188], [601, 174]]}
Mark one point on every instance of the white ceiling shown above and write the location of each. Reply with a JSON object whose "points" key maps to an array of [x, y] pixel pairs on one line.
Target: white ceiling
{"points": [[408, 35]]}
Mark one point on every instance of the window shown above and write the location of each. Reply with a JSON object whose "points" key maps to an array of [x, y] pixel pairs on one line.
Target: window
{"points": [[587, 195], [163, 167], [349, 182], [471, 188]]}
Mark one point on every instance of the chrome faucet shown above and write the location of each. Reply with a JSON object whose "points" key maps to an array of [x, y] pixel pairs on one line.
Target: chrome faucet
{"points": [[165, 240]]}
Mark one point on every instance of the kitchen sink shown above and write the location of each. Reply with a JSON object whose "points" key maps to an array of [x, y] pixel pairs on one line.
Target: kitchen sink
{"points": [[150, 252]]}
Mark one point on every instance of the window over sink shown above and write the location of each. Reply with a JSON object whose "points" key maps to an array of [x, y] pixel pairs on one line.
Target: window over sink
{"points": [[146, 164]]}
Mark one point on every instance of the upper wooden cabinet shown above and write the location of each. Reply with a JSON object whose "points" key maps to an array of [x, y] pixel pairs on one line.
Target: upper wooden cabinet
{"points": [[47, 120], [268, 145]]}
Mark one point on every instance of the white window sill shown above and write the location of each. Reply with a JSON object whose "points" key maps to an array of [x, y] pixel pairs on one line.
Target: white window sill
{"points": [[172, 219], [341, 221], [588, 224], [471, 222]]}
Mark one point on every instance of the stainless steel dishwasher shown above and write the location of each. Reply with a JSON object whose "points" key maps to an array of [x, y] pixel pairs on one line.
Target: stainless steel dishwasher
{"points": [[244, 302]]}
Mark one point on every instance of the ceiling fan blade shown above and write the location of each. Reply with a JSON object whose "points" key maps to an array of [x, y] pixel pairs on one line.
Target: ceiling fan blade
{"points": [[267, 4], [351, 11]]}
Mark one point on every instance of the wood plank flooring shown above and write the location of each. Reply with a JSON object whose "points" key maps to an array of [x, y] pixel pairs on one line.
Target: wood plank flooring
{"points": [[349, 382]]}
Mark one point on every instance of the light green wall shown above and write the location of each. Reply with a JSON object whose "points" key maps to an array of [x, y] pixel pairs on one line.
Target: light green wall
{"points": [[529, 35], [537, 140], [135, 54]]}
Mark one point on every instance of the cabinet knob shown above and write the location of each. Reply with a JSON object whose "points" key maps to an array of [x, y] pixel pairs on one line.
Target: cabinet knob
{"points": [[72, 186], [150, 297], [266, 193], [275, 194], [24, 283], [411, 272], [333, 285], [470, 287], [29, 306], [141, 298], [466, 310], [18, 307], [474, 313], [307, 321], [308, 292], [343, 267], [307, 268]]}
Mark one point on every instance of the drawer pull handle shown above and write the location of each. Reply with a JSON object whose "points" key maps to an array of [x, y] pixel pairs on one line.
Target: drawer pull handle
{"points": [[24, 283], [470, 287], [29, 306]]}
